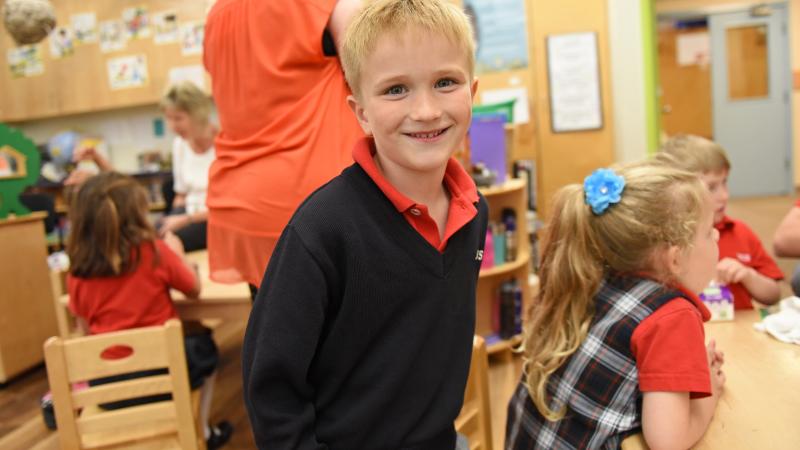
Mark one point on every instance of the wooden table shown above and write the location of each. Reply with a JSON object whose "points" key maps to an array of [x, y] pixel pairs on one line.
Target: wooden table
{"points": [[761, 402], [760, 407], [217, 300]]}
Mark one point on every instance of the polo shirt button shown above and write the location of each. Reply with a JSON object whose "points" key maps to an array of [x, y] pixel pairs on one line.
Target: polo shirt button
{"points": [[415, 211]]}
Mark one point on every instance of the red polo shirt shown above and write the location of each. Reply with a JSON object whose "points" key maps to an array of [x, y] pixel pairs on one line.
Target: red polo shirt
{"points": [[669, 347], [738, 241], [463, 195]]}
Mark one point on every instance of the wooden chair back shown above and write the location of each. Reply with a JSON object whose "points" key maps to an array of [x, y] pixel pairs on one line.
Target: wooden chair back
{"points": [[83, 425], [475, 419]]}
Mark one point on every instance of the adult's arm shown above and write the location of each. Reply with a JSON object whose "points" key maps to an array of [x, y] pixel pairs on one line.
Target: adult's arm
{"points": [[786, 241], [342, 14]]}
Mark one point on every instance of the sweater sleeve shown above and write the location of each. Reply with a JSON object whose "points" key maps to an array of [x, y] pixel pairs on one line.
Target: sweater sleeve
{"points": [[279, 346]]}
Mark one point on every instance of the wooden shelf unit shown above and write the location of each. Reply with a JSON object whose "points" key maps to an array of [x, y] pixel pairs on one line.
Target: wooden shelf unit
{"points": [[511, 194], [27, 312]]}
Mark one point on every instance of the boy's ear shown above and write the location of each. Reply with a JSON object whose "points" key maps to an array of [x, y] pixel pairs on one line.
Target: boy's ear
{"points": [[474, 87], [358, 110]]}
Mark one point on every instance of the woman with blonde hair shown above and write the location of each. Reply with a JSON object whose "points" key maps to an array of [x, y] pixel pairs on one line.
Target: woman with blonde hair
{"points": [[614, 343], [187, 110]]}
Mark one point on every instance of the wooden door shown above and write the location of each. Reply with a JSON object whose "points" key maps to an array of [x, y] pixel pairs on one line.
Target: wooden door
{"points": [[685, 89]]}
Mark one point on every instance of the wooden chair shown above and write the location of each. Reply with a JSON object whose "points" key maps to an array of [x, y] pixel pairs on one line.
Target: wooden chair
{"points": [[84, 425], [67, 325], [634, 442], [475, 419]]}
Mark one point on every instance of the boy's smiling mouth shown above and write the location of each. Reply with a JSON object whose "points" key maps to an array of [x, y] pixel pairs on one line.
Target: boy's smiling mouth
{"points": [[428, 135]]}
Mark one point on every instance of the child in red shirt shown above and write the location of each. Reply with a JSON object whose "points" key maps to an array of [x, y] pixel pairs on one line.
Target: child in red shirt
{"points": [[120, 276], [744, 265]]}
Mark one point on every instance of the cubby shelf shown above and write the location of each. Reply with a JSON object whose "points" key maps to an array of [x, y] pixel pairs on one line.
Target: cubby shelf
{"points": [[504, 345], [521, 261], [510, 194]]}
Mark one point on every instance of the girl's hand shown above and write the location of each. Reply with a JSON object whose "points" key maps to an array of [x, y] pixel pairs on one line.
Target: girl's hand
{"points": [[174, 243], [715, 361]]}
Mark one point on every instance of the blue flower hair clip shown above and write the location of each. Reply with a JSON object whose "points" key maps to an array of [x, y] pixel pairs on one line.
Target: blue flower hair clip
{"points": [[602, 189]]}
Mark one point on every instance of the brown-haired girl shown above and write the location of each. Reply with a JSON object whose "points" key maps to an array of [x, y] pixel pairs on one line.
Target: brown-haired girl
{"points": [[121, 274], [614, 343]]}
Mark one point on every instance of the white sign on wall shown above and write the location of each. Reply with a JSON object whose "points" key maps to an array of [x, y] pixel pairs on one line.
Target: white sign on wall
{"points": [[573, 71]]}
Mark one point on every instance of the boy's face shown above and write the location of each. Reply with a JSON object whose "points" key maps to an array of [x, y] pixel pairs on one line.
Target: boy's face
{"points": [[415, 99], [717, 184]]}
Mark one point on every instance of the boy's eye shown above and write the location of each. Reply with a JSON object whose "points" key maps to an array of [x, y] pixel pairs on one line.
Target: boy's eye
{"points": [[396, 90], [445, 82]]}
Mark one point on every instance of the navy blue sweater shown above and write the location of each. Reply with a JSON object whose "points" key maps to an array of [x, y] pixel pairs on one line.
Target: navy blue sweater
{"points": [[361, 333]]}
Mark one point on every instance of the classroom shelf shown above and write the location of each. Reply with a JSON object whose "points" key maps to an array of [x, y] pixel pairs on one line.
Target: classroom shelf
{"points": [[505, 268], [509, 186], [505, 344], [512, 194]]}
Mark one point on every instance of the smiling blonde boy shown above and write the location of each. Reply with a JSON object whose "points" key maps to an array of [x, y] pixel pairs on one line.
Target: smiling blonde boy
{"points": [[361, 333]]}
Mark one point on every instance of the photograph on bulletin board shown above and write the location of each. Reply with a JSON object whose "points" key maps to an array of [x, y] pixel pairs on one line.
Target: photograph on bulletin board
{"points": [[62, 42], [501, 35], [127, 72], [137, 22], [25, 61], [112, 36], [192, 38], [573, 73], [84, 27], [165, 24]]}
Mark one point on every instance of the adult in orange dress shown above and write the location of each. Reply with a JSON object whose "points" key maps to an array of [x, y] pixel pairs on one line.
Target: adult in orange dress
{"points": [[286, 128]]}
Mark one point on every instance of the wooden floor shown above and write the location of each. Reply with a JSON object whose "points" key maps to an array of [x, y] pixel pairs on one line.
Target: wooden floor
{"points": [[21, 426]]}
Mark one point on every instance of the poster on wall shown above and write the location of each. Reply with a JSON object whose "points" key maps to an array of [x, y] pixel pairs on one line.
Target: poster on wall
{"points": [[84, 27], [194, 74], [500, 34], [693, 49], [574, 76], [25, 61], [192, 38], [62, 43], [127, 72], [137, 22], [112, 36], [165, 25]]}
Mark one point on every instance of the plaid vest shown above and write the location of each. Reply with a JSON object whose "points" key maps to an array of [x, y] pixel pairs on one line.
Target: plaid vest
{"points": [[599, 383]]}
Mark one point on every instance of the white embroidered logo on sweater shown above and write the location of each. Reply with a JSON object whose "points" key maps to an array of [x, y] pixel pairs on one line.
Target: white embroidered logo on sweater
{"points": [[479, 255]]}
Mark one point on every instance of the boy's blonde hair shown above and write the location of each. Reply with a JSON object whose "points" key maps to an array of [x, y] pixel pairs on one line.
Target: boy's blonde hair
{"points": [[381, 17], [660, 207], [189, 98], [693, 153]]}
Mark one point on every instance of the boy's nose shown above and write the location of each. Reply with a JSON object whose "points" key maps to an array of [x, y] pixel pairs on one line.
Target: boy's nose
{"points": [[425, 108]]}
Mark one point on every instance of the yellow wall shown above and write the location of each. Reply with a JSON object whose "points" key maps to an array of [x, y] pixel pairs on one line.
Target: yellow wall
{"points": [[663, 6], [566, 158]]}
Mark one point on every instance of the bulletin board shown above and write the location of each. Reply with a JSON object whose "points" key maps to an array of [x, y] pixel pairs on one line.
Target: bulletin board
{"points": [[103, 54]]}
